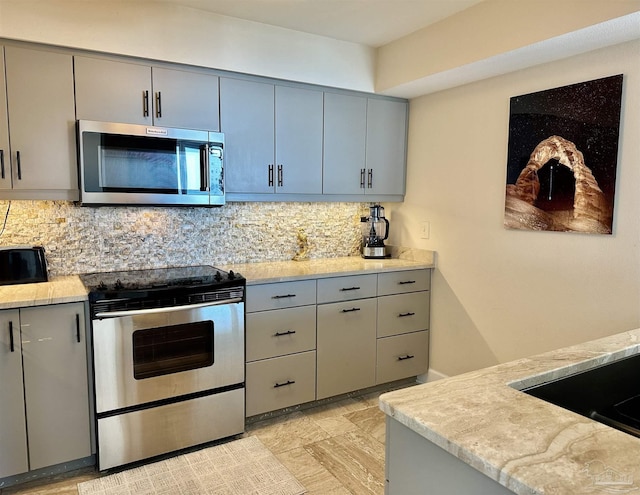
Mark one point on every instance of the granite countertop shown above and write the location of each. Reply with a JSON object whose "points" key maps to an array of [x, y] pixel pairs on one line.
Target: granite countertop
{"points": [[526, 444], [282, 271], [56, 290], [70, 288]]}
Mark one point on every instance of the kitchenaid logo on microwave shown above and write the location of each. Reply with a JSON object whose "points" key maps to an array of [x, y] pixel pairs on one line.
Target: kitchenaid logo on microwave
{"points": [[155, 131]]}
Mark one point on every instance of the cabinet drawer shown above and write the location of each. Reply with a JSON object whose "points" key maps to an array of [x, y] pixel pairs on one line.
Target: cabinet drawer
{"points": [[403, 313], [403, 281], [402, 356], [346, 347], [280, 382], [283, 331], [346, 288], [280, 295]]}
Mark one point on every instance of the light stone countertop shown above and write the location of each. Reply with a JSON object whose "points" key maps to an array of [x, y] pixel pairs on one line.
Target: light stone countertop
{"points": [[57, 290], [283, 271], [70, 288], [524, 443]]}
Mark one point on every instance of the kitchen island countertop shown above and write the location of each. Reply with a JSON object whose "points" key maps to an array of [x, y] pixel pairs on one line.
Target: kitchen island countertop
{"points": [[524, 443]]}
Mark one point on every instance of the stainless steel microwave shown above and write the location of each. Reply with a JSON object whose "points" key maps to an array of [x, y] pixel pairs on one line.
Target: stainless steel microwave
{"points": [[129, 164]]}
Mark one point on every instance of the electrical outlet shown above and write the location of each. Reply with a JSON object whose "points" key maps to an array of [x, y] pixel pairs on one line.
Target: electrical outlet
{"points": [[425, 229]]}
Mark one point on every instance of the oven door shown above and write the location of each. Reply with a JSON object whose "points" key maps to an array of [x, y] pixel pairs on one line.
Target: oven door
{"points": [[152, 355]]}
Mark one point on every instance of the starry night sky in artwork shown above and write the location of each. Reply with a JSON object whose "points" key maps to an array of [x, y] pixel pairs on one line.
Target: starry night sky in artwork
{"points": [[588, 114]]}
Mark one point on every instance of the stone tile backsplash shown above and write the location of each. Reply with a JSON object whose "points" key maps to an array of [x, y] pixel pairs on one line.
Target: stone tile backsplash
{"points": [[88, 239]]}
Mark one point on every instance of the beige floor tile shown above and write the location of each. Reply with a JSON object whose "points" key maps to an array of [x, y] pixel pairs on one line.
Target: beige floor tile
{"points": [[336, 425], [370, 420], [309, 471], [287, 432], [333, 409], [355, 459]]}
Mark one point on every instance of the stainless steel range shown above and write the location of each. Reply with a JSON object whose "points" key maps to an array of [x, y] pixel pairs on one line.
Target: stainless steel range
{"points": [[168, 351]]}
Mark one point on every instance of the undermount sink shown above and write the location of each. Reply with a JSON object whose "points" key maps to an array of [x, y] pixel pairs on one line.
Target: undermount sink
{"points": [[609, 394]]}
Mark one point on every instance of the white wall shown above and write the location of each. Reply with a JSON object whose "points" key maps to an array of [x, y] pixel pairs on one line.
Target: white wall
{"points": [[160, 31], [500, 294]]}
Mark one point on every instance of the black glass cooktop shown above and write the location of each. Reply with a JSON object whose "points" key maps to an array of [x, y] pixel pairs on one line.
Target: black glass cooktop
{"points": [[158, 282]]}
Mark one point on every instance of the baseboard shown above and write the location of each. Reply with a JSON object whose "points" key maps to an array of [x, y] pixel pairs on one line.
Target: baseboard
{"points": [[431, 376]]}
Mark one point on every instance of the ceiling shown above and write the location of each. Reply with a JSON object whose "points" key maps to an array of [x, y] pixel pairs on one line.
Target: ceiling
{"points": [[370, 22]]}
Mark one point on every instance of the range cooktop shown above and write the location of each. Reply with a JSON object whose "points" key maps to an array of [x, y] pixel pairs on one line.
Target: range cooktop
{"points": [[159, 282]]}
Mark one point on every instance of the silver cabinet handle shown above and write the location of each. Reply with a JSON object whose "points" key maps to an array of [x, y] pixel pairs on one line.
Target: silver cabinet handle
{"points": [[370, 178], [362, 172]]}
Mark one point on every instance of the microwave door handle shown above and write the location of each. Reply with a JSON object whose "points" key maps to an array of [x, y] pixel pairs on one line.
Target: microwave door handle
{"points": [[204, 168]]}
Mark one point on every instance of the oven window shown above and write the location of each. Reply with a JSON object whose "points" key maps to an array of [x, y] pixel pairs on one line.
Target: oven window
{"points": [[171, 349]]}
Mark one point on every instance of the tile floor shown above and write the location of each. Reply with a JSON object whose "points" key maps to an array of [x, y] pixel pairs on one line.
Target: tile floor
{"points": [[333, 449]]}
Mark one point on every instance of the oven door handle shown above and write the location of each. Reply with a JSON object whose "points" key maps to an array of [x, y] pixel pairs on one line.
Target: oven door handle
{"points": [[152, 311]]}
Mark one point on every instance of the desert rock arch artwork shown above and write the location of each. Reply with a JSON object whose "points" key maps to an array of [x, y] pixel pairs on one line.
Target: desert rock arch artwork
{"points": [[591, 211], [562, 157]]}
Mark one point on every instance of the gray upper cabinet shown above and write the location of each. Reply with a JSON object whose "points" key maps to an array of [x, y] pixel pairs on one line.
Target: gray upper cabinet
{"points": [[13, 429], [5, 166], [247, 120], [345, 132], [386, 146], [298, 140], [114, 91], [273, 136], [41, 154]]}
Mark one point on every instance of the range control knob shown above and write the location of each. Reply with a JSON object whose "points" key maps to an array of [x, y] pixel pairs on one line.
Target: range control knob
{"points": [[217, 277], [231, 275], [118, 285]]}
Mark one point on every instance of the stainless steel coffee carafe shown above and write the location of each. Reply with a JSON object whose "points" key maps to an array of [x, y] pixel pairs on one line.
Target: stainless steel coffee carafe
{"points": [[375, 230]]}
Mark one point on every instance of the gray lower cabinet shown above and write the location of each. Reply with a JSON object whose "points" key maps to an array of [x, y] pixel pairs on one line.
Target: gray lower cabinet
{"points": [[50, 348], [346, 346], [414, 465], [280, 345], [313, 339], [39, 159], [13, 431]]}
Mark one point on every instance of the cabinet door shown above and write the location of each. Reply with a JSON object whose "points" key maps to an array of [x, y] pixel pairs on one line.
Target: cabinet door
{"points": [[185, 99], [386, 146], [298, 114], [111, 91], [13, 433], [5, 166], [346, 347], [42, 120], [55, 382], [345, 129], [247, 120]]}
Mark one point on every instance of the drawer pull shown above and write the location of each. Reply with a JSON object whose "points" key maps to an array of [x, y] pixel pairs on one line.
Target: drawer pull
{"points": [[404, 358], [350, 310], [407, 282], [11, 343], [344, 289], [280, 334], [401, 315], [284, 296], [288, 382]]}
